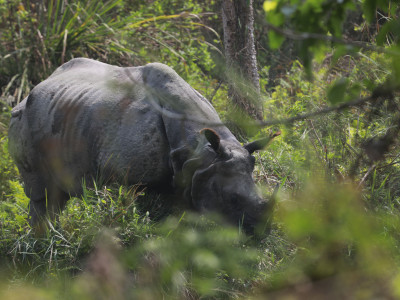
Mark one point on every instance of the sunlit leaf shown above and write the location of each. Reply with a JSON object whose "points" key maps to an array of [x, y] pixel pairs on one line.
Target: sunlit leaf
{"points": [[270, 5]]}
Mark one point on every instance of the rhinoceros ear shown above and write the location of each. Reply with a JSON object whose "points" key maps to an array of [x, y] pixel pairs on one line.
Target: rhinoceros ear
{"points": [[212, 137], [261, 143]]}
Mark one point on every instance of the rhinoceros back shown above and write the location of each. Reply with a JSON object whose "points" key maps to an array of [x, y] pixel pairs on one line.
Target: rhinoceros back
{"points": [[90, 118]]}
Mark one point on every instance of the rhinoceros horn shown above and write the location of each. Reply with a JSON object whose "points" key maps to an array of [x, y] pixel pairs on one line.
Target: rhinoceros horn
{"points": [[261, 143]]}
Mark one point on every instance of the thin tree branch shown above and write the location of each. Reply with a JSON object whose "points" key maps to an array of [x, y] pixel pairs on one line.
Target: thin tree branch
{"points": [[215, 91], [316, 135], [353, 103], [301, 36], [182, 117]]}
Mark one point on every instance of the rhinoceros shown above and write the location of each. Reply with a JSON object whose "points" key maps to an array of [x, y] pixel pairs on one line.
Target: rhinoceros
{"points": [[131, 125]]}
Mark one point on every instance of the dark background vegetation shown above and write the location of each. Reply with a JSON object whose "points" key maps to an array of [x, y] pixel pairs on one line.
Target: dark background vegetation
{"points": [[329, 77]]}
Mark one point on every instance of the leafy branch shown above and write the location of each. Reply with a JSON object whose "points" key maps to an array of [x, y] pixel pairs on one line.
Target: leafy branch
{"points": [[301, 36]]}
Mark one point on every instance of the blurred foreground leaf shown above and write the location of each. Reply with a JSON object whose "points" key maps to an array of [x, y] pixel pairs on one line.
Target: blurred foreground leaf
{"points": [[344, 250]]}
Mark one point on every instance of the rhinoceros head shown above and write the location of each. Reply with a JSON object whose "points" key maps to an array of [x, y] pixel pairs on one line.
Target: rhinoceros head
{"points": [[219, 178]]}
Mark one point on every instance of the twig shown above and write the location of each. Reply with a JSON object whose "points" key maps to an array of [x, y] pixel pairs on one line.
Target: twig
{"points": [[64, 46], [44, 50], [351, 148], [388, 165], [366, 175], [316, 135], [215, 91]]}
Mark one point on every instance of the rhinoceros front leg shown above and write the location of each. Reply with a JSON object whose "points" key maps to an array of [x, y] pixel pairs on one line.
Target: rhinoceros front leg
{"points": [[49, 206], [37, 212], [56, 200]]}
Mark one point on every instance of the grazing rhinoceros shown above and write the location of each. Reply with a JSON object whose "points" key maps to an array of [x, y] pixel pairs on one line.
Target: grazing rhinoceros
{"points": [[129, 125]]}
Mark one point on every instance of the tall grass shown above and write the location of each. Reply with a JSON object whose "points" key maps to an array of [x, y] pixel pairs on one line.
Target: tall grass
{"points": [[8, 171], [67, 242], [42, 35]]}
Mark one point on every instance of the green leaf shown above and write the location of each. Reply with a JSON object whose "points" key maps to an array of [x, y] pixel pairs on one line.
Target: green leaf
{"points": [[353, 92], [369, 9], [275, 39], [392, 27], [340, 50], [320, 52], [275, 18], [396, 69], [337, 91]]}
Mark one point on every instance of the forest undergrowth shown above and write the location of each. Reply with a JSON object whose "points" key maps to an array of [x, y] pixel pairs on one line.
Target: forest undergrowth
{"points": [[335, 227]]}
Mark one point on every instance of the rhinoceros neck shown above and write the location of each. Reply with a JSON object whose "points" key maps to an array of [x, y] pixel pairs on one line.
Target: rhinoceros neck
{"points": [[185, 112]]}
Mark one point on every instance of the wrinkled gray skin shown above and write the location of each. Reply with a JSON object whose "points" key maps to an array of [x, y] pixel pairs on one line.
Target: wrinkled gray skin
{"points": [[128, 125]]}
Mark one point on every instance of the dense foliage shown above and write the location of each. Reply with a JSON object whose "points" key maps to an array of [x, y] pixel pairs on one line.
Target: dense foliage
{"points": [[335, 229]]}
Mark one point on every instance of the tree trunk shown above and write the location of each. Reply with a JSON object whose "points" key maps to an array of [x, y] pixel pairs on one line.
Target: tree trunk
{"points": [[240, 53]]}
